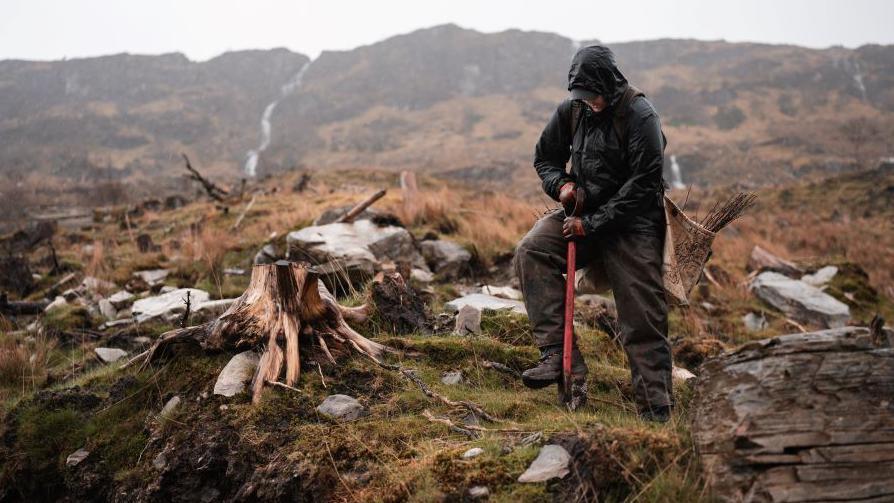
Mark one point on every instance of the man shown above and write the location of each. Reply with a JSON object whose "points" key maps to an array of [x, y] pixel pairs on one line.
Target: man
{"points": [[616, 149]]}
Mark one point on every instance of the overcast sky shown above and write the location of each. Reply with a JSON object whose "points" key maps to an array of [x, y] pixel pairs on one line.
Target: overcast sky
{"points": [[54, 29]]}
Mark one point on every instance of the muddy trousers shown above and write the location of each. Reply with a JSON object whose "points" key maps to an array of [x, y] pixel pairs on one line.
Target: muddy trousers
{"points": [[632, 262]]}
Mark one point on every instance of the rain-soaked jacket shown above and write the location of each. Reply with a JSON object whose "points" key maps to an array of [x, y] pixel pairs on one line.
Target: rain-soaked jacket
{"points": [[621, 174]]}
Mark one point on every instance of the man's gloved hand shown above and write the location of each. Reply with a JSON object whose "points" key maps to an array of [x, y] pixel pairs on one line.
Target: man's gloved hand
{"points": [[567, 195], [573, 227]]}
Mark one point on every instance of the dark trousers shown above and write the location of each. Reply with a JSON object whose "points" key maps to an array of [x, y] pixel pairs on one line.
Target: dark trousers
{"points": [[632, 261]]}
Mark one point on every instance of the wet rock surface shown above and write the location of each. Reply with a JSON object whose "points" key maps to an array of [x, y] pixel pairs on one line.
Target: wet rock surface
{"points": [[800, 301]]}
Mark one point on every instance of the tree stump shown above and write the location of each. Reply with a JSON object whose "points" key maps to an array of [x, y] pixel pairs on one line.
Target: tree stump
{"points": [[283, 301], [802, 417]]}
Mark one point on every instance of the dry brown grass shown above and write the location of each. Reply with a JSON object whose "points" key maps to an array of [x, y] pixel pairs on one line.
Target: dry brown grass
{"points": [[23, 365]]}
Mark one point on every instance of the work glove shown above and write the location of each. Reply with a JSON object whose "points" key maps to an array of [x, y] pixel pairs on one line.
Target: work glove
{"points": [[573, 228], [567, 195]]}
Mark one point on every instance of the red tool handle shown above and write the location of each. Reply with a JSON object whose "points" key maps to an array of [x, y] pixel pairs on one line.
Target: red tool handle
{"points": [[569, 319]]}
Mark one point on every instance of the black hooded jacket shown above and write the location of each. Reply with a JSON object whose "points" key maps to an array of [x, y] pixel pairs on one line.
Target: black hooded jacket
{"points": [[622, 176]]}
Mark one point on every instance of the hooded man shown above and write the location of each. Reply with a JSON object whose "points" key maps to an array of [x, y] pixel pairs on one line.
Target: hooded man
{"points": [[616, 180]]}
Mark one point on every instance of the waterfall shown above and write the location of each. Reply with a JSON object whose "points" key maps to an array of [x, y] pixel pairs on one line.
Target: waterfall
{"points": [[251, 160], [676, 174], [858, 78]]}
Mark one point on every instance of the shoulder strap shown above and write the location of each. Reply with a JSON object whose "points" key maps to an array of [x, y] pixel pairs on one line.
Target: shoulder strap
{"points": [[576, 109]]}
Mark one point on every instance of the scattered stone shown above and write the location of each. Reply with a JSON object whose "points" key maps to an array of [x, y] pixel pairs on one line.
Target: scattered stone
{"points": [[471, 453], [266, 255], [446, 258], [110, 355], [170, 407], [95, 285], [468, 320], [478, 492], [160, 461], [552, 462], [821, 277], [167, 304], [681, 374], [167, 289], [453, 377], [236, 374], [121, 299], [152, 276], [75, 458], [762, 260], [422, 276], [485, 302], [800, 301], [212, 308], [234, 271], [107, 310], [755, 322], [505, 292], [341, 407], [58, 302]]}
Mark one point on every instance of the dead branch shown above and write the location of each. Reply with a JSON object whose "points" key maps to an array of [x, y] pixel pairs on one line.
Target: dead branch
{"points": [[214, 192], [357, 210], [244, 211], [470, 406], [450, 424]]}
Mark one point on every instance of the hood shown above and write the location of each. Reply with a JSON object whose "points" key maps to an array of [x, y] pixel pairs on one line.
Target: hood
{"points": [[594, 69]]}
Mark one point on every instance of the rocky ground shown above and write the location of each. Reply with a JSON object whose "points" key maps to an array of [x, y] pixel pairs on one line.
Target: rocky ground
{"points": [[446, 419]]}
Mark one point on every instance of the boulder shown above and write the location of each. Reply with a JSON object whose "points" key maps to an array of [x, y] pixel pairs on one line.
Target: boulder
{"points": [[236, 374], [170, 406], [94, 286], [762, 260], [801, 417], [266, 255], [800, 301], [167, 305], [754, 322], [821, 277], [484, 302], [446, 258], [121, 299], [354, 250], [551, 462], [468, 320], [110, 355], [341, 407]]}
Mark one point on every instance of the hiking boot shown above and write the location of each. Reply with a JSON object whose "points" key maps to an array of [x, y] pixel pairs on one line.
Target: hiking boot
{"points": [[660, 414], [549, 368]]}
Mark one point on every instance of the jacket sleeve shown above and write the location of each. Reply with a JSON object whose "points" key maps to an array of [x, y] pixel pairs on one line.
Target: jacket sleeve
{"points": [[645, 154], [553, 150]]}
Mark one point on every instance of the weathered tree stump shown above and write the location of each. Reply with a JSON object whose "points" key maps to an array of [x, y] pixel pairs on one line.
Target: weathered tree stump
{"points": [[283, 301], [803, 417]]}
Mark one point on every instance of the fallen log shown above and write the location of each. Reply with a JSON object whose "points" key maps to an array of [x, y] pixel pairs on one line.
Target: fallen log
{"points": [[283, 301], [802, 417], [20, 307]]}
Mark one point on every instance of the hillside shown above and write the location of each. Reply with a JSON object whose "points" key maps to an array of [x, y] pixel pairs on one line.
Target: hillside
{"points": [[443, 99]]}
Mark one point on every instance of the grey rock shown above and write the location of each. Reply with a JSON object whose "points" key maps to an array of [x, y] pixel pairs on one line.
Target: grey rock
{"points": [[754, 322], [552, 462], [357, 248], [468, 320], [75, 458], [160, 462], [821, 277], [107, 310], [167, 304], [473, 452], [421, 275], [58, 302], [342, 407], [110, 355], [170, 406], [485, 302], [800, 301], [121, 299], [681, 374], [446, 258], [152, 276], [266, 255], [763, 260], [212, 308], [95, 285], [452, 378], [478, 492], [236, 374], [505, 292], [235, 271]]}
